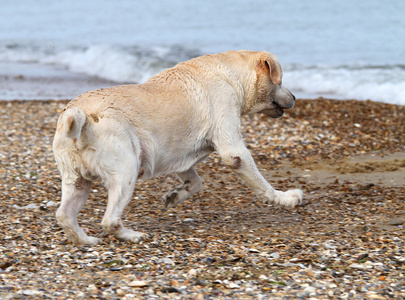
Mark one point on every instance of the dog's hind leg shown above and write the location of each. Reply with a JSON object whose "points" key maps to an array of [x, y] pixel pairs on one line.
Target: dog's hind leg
{"points": [[120, 189], [192, 183], [74, 196]]}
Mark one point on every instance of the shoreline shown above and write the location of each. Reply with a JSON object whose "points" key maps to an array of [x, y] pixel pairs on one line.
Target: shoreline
{"points": [[347, 238], [65, 100]]}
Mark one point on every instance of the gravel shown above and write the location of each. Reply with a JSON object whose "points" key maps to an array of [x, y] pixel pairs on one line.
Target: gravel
{"points": [[346, 241]]}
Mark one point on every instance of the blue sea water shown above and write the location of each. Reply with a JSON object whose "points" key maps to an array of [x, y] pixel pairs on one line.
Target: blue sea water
{"points": [[335, 49]]}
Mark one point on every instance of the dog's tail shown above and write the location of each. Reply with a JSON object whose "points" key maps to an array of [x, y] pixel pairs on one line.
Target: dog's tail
{"points": [[65, 148], [73, 121]]}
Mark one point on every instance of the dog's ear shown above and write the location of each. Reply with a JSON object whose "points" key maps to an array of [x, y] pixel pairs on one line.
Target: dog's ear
{"points": [[268, 63]]}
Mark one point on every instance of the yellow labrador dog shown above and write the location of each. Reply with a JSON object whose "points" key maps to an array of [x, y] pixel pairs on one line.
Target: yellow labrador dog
{"points": [[166, 125]]}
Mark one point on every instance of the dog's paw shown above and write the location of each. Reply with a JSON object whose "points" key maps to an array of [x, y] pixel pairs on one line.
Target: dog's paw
{"points": [[289, 199], [170, 199], [88, 240], [138, 237], [174, 197], [127, 235], [94, 241]]}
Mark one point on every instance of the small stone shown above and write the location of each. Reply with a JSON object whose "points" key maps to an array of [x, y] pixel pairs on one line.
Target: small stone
{"points": [[167, 261], [170, 289], [174, 283], [396, 222], [32, 293], [92, 288], [209, 260], [199, 296], [5, 265], [34, 250], [137, 283], [29, 206], [192, 272], [51, 203], [188, 220], [233, 285], [361, 266]]}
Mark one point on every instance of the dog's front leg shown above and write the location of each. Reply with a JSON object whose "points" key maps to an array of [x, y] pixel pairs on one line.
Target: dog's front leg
{"points": [[192, 183], [241, 161]]}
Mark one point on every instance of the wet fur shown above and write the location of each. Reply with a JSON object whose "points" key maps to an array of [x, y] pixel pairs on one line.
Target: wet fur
{"points": [[166, 125]]}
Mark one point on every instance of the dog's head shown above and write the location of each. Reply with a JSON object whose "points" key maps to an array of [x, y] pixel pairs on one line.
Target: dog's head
{"points": [[271, 96]]}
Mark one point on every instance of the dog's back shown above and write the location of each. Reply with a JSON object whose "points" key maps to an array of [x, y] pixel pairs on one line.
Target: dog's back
{"points": [[172, 125]]}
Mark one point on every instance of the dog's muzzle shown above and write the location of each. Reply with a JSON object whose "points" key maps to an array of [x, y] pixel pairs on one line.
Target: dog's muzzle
{"points": [[275, 112], [280, 105]]}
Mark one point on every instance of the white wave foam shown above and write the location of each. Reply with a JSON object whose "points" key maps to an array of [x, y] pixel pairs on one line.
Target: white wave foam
{"points": [[383, 84], [135, 64], [101, 61], [117, 63]]}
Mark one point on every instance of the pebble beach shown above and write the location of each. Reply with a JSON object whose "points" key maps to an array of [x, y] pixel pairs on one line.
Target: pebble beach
{"points": [[345, 241]]}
